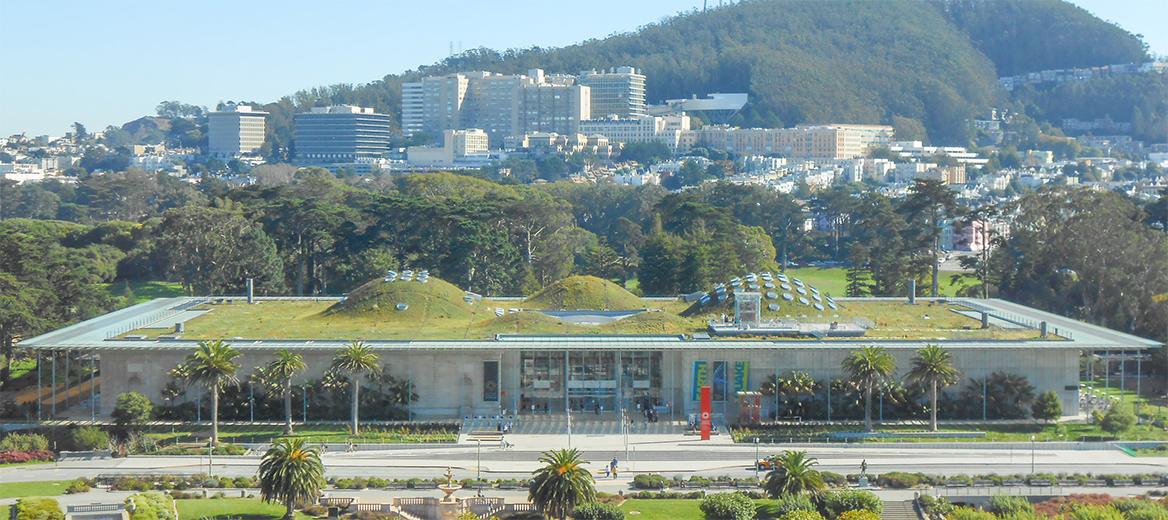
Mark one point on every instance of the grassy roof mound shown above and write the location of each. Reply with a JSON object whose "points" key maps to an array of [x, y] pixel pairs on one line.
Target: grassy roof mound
{"points": [[584, 292], [435, 299], [524, 322]]}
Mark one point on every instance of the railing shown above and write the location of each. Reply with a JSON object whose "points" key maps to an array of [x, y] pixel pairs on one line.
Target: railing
{"points": [[90, 508], [156, 317]]}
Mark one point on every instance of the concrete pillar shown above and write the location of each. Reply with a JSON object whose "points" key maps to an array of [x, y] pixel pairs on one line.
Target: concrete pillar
{"points": [[1042, 329], [985, 320], [250, 290], [912, 292]]}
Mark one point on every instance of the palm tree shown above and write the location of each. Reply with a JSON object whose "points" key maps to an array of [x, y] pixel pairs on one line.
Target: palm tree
{"points": [[933, 366], [211, 365], [794, 475], [291, 472], [562, 484], [356, 360], [867, 368], [279, 371]]}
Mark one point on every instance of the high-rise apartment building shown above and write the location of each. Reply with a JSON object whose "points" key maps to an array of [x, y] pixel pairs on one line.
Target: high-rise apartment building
{"points": [[505, 105], [340, 134], [413, 106], [234, 131], [619, 92]]}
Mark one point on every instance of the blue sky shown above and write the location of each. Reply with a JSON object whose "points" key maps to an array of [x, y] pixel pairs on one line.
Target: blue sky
{"points": [[108, 62]]}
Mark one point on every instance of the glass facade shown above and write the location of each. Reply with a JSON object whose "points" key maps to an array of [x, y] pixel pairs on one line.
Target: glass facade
{"points": [[590, 380]]}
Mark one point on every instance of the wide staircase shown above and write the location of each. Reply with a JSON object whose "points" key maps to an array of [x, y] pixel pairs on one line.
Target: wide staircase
{"points": [[899, 510], [606, 423]]}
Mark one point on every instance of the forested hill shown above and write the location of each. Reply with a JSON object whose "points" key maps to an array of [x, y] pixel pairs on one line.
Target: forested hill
{"points": [[802, 62], [924, 66], [1022, 36]]}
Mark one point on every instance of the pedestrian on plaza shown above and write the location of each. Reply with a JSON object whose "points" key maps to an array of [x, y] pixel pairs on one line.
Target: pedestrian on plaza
{"points": [[614, 471], [607, 471]]}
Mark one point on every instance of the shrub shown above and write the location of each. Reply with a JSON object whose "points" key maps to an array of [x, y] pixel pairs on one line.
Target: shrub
{"points": [[937, 508], [151, 506], [80, 485], [1004, 505], [966, 513], [802, 515], [837, 502], [898, 480], [21, 457], [788, 503], [1046, 407], [1151, 513], [1117, 421], [728, 506], [132, 408], [834, 479], [317, 510], [90, 438], [38, 508], [650, 482], [598, 511], [1091, 512], [858, 514], [24, 442]]}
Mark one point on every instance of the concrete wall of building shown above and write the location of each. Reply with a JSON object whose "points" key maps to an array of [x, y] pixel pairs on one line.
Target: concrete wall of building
{"points": [[449, 383]]}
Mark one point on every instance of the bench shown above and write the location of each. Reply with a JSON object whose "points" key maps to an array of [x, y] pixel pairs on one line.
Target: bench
{"points": [[1068, 482], [509, 485], [396, 486], [956, 483], [426, 485], [481, 485], [983, 483]]}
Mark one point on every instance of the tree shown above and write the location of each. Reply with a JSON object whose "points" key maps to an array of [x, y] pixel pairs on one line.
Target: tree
{"points": [[213, 250], [867, 368], [561, 484], [132, 408], [931, 200], [933, 367], [794, 474], [1117, 420], [280, 371], [1047, 407], [291, 472], [356, 360], [211, 365]]}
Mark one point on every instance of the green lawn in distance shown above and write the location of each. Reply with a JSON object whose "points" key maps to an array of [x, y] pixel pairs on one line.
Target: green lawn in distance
{"points": [[146, 291], [238, 508], [664, 509], [46, 488]]}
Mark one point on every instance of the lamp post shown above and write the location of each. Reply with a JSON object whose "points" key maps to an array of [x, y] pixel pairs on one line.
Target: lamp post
{"points": [[1032, 455], [479, 459], [756, 459]]}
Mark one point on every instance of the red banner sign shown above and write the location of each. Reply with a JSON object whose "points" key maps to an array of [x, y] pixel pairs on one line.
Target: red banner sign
{"points": [[707, 405]]}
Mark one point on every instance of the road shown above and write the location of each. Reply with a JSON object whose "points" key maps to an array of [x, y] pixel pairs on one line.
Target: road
{"points": [[649, 454]]}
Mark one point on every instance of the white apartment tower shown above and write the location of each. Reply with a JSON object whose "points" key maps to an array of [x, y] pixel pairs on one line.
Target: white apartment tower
{"points": [[501, 105], [619, 92], [235, 131]]}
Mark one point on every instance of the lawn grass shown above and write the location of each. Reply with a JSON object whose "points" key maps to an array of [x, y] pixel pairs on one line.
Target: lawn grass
{"points": [[237, 433], [236, 508], [45, 488], [145, 291], [436, 310], [663, 509]]}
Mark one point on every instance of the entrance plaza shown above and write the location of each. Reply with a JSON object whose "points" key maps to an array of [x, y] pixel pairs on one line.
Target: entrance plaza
{"points": [[592, 372]]}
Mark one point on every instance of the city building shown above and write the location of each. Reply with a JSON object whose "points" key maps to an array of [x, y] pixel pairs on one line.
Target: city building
{"points": [[668, 130], [803, 141], [497, 373], [457, 146], [234, 131], [340, 134], [619, 92]]}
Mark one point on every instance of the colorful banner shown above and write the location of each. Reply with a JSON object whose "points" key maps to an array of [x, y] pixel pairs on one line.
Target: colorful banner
{"points": [[741, 376], [718, 377], [701, 377], [706, 410], [490, 381]]}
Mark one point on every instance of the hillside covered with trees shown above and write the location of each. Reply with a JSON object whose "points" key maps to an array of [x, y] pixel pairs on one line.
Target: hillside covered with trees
{"points": [[922, 67]]}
